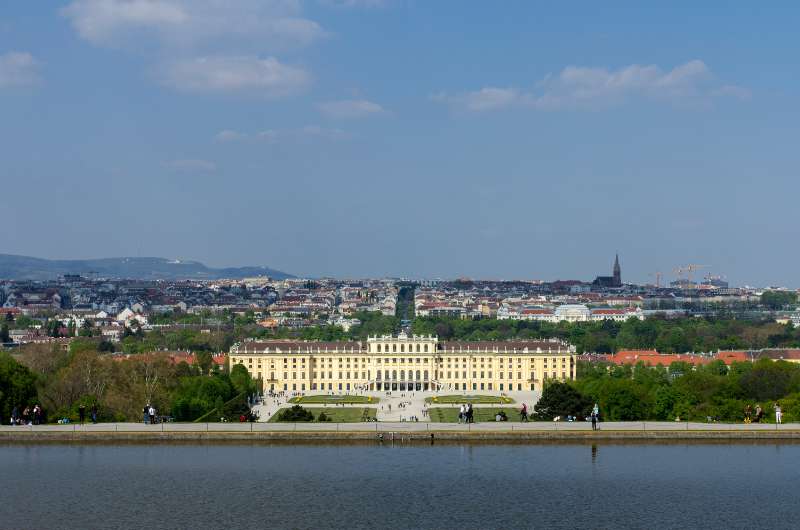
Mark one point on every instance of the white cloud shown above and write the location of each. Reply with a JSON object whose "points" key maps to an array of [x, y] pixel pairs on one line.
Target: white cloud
{"points": [[322, 132], [274, 135], [268, 135], [733, 91], [588, 88], [191, 22], [489, 98], [266, 77], [18, 69], [193, 165], [204, 45], [228, 135], [355, 3], [350, 108]]}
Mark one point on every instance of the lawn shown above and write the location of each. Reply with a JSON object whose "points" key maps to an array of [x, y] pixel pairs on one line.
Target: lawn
{"points": [[338, 414], [450, 414], [459, 399], [323, 399]]}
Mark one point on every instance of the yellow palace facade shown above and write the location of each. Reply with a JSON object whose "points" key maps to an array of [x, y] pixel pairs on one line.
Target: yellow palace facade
{"points": [[402, 362]]}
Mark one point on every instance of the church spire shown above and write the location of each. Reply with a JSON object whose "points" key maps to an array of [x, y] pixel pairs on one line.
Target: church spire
{"points": [[617, 272]]}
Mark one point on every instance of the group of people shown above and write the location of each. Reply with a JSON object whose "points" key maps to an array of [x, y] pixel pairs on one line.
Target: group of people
{"points": [[82, 414], [465, 414], [29, 416], [149, 413], [758, 415]]}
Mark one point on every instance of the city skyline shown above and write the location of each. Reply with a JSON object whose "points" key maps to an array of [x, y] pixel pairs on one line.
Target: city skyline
{"points": [[399, 138]]}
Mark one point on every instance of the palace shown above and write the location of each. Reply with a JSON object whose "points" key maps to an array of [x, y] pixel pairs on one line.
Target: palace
{"points": [[403, 362]]}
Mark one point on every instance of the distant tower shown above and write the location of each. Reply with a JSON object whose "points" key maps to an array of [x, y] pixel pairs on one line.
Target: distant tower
{"points": [[617, 272]]}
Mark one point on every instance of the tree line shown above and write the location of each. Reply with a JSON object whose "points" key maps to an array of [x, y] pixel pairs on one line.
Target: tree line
{"points": [[713, 392], [62, 380]]}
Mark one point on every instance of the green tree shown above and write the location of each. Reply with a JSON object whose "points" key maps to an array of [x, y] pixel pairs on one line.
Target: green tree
{"points": [[17, 386], [561, 399], [295, 414], [778, 299]]}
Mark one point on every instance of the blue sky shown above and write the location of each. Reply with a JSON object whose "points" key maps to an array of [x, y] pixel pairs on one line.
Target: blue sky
{"points": [[514, 140]]}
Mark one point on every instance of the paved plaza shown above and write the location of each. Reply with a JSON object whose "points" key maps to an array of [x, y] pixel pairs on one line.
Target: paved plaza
{"points": [[400, 406]]}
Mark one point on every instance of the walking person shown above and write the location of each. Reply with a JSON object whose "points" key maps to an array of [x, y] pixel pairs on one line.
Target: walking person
{"points": [[594, 421], [595, 417], [523, 413], [82, 414], [462, 411], [94, 413], [152, 412], [15, 416], [778, 413], [146, 413]]}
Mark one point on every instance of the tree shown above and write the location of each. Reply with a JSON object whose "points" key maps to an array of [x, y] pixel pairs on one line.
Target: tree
{"points": [[778, 299], [4, 336], [241, 380], [295, 414], [561, 399], [204, 361], [17, 386]]}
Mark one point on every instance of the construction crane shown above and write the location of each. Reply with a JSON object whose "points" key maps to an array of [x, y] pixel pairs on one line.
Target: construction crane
{"points": [[658, 278], [688, 269], [691, 268]]}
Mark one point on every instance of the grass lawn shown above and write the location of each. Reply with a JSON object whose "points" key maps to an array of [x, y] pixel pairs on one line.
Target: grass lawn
{"points": [[332, 400], [450, 414], [337, 415], [477, 398]]}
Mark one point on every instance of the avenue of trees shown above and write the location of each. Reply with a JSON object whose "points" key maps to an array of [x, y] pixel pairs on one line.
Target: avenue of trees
{"points": [[637, 393]]}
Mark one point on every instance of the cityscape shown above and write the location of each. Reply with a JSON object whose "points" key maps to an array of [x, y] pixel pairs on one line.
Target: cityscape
{"points": [[313, 264]]}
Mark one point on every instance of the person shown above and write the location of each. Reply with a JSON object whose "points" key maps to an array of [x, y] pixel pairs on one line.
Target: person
{"points": [[594, 421], [469, 413], [462, 412], [146, 413], [37, 414], [15, 416], [759, 413], [748, 412], [94, 413], [778, 413], [152, 412], [523, 413], [82, 414]]}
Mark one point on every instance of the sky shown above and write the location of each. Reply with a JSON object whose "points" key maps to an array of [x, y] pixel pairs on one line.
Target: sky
{"points": [[355, 138]]}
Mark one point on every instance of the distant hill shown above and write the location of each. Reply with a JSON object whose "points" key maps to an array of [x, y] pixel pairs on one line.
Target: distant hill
{"points": [[26, 268]]}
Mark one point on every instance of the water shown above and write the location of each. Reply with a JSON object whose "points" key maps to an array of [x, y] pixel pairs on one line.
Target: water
{"points": [[372, 486]]}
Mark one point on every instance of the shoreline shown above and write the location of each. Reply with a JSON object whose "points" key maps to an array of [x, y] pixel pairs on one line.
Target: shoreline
{"points": [[397, 433]]}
